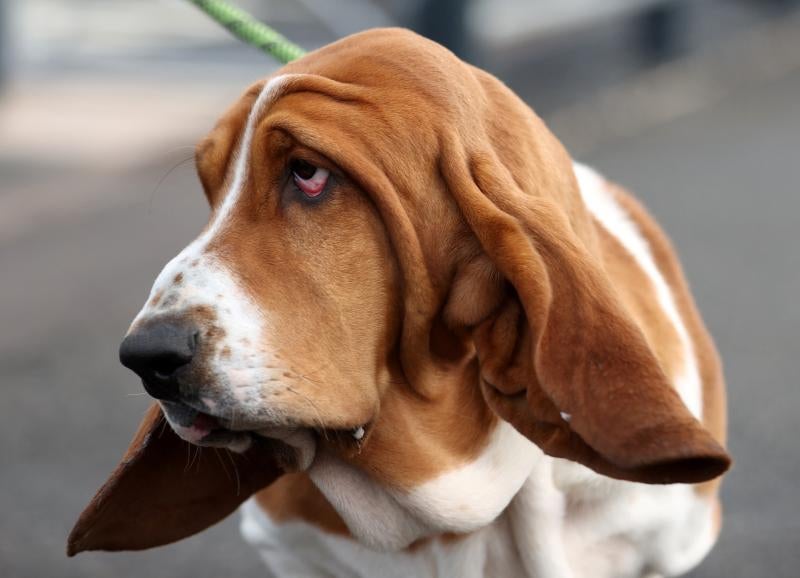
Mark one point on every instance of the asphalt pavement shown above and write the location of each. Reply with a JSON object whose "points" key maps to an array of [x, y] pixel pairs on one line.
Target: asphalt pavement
{"points": [[723, 180]]}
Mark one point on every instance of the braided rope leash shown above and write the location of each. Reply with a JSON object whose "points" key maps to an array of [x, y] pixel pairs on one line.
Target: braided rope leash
{"points": [[249, 30]]}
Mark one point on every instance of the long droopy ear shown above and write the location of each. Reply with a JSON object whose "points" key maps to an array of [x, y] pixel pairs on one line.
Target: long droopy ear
{"points": [[164, 490], [560, 358]]}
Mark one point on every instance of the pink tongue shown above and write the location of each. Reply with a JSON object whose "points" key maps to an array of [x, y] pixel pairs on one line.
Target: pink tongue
{"points": [[203, 421]]}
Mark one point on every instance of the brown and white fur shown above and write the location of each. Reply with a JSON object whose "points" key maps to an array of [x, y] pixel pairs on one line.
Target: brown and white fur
{"points": [[468, 356]]}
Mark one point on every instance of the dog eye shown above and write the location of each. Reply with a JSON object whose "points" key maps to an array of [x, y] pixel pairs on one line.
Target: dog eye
{"points": [[308, 178]]}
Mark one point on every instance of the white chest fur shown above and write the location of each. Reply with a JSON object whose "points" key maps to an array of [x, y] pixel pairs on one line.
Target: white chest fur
{"points": [[461, 500], [299, 549], [551, 529]]}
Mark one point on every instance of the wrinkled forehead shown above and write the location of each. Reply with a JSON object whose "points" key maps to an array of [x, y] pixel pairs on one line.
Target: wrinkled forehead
{"points": [[222, 155], [364, 85]]}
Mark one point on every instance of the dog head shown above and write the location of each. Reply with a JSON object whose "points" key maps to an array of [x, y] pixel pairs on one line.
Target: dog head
{"points": [[397, 265]]}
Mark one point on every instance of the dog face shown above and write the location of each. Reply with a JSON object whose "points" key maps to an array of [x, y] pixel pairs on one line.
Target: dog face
{"points": [[289, 298], [398, 268]]}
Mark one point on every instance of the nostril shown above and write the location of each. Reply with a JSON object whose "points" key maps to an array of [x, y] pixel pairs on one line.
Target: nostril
{"points": [[162, 375], [165, 367], [156, 352]]}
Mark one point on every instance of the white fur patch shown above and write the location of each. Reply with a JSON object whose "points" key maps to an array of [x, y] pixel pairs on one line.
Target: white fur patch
{"points": [[461, 500], [474, 494], [537, 517], [617, 528], [607, 529], [371, 512], [296, 548], [602, 204]]}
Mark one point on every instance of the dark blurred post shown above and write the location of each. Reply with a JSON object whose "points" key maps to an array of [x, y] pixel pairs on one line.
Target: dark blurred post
{"points": [[445, 21], [779, 4], [660, 31], [5, 43]]}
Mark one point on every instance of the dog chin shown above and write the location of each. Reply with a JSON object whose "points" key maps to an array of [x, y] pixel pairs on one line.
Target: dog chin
{"points": [[301, 441]]}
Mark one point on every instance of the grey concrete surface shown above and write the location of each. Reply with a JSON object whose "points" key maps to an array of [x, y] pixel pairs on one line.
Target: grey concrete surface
{"points": [[723, 181]]}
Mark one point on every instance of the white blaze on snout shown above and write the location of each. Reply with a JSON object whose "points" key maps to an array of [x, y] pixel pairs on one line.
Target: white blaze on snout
{"points": [[238, 360]]}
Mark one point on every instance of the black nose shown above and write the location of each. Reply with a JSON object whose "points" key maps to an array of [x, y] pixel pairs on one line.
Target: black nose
{"points": [[156, 352]]}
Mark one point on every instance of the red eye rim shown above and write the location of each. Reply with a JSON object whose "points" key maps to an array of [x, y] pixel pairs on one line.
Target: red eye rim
{"points": [[314, 184]]}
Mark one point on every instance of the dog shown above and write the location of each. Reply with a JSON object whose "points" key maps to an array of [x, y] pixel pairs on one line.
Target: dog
{"points": [[417, 339]]}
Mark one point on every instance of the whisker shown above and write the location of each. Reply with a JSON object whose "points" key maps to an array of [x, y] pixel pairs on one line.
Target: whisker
{"points": [[188, 457], [164, 178], [317, 370], [235, 471], [308, 400], [163, 427], [313, 371], [308, 379], [222, 463], [178, 148], [196, 458]]}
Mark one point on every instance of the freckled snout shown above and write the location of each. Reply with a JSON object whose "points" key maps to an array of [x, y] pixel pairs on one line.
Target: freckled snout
{"points": [[157, 352]]}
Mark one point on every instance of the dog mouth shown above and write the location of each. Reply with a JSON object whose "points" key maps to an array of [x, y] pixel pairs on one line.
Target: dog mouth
{"points": [[296, 444], [203, 429]]}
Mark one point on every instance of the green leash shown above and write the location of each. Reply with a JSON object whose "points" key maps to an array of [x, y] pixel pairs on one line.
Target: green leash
{"points": [[249, 30]]}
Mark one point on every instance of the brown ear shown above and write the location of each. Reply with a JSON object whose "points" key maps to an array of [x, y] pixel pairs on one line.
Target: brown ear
{"points": [[163, 490], [560, 359]]}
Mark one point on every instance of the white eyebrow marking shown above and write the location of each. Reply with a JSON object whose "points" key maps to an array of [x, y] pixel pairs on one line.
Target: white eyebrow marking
{"points": [[271, 91]]}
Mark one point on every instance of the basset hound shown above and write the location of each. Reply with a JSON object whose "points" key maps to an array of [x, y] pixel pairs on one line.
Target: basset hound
{"points": [[416, 339]]}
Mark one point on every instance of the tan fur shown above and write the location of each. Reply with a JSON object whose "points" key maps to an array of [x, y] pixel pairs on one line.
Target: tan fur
{"points": [[637, 294]]}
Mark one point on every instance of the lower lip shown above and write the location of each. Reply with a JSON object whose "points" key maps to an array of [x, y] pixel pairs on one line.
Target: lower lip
{"points": [[237, 441], [203, 421], [201, 427]]}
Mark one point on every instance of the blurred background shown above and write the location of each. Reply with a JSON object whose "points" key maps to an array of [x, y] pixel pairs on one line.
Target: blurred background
{"points": [[694, 105]]}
